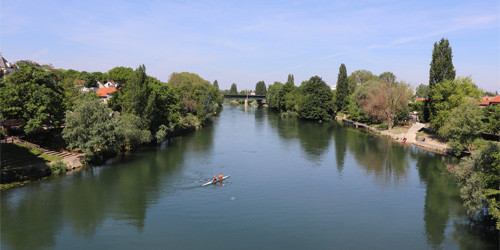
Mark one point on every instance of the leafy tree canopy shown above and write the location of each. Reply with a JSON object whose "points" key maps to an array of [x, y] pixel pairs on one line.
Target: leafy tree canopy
{"points": [[234, 89], [342, 91], [388, 77], [463, 126], [479, 181], [359, 77], [120, 74], [448, 95], [92, 128], [316, 102], [422, 91], [260, 88], [33, 95]]}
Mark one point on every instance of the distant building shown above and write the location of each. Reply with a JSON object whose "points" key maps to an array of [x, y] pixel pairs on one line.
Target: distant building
{"points": [[489, 100], [106, 93], [6, 68]]}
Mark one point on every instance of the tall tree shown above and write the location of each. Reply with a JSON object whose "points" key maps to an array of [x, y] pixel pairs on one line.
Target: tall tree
{"points": [[91, 129], [291, 79], [233, 90], [463, 126], [260, 88], [441, 69], [135, 93], [273, 95], [479, 180], [33, 95], [216, 84], [384, 100], [120, 74], [388, 77], [316, 102], [359, 77], [342, 92], [448, 95]]}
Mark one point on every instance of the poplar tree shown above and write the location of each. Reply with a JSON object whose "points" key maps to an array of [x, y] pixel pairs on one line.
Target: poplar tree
{"points": [[290, 78], [216, 84], [441, 69], [260, 88], [342, 93], [233, 90]]}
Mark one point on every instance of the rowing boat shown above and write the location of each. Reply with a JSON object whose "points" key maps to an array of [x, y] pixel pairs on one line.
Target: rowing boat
{"points": [[213, 182]]}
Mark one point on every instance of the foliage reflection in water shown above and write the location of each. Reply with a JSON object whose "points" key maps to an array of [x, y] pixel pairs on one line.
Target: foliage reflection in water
{"points": [[293, 184]]}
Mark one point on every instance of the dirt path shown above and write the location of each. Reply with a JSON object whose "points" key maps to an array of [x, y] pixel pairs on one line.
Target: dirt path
{"points": [[429, 144]]}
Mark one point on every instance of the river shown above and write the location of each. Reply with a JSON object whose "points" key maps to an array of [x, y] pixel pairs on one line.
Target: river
{"points": [[293, 185]]}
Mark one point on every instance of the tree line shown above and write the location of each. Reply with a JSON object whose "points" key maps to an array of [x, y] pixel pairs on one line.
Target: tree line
{"points": [[142, 110], [450, 105]]}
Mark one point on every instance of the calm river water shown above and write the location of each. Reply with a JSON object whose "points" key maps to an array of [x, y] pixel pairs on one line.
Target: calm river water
{"points": [[293, 185]]}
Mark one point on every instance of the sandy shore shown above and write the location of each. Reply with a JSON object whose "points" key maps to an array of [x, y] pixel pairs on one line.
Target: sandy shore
{"points": [[430, 144], [398, 134]]}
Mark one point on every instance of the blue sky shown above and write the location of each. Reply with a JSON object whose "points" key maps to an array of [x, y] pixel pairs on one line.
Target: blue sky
{"points": [[244, 42]]}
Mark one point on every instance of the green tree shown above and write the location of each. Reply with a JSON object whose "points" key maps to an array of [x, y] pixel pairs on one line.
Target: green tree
{"points": [[120, 74], [463, 126], [385, 99], [316, 101], [133, 131], [135, 92], [216, 84], [233, 90], [33, 95], [388, 77], [359, 77], [272, 95], [441, 70], [89, 79], [492, 119], [448, 95], [92, 128], [342, 91], [283, 94], [192, 89], [479, 180], [291, 79], [422, 91], [260, 88]]}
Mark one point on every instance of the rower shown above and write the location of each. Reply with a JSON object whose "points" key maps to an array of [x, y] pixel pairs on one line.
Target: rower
{"points": [[220, 176], [215, 178]]}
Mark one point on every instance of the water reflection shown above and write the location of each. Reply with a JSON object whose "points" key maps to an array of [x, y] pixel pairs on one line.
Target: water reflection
{"points": [[340, 140], [380, 156], [314, 137], [35, 214]]}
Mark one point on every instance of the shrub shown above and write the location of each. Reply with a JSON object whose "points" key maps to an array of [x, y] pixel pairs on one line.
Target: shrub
{"points": [[58, 168]]}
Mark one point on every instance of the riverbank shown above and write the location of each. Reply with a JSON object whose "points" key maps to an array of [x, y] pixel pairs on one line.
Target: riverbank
{"points": [[412, 135], [23, 162]]}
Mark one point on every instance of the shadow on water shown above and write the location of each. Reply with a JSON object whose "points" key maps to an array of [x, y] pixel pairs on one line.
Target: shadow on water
{"points": [[314, 137], [442, 204], [387, 160], [122, 190]]}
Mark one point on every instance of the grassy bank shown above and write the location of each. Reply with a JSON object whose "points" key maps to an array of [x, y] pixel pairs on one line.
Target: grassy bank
{"points": [[22, 164]]}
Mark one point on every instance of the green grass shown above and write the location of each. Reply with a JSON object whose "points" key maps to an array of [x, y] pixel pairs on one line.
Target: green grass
{"points": [[50, 158], [30, 155]]}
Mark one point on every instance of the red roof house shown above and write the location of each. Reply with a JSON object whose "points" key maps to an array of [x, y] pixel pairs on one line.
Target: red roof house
{"points": [[106, 92], [489, 100]]}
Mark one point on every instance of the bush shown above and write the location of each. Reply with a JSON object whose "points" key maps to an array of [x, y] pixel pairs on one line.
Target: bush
{"points": [[58, 168], [382, 126]]}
